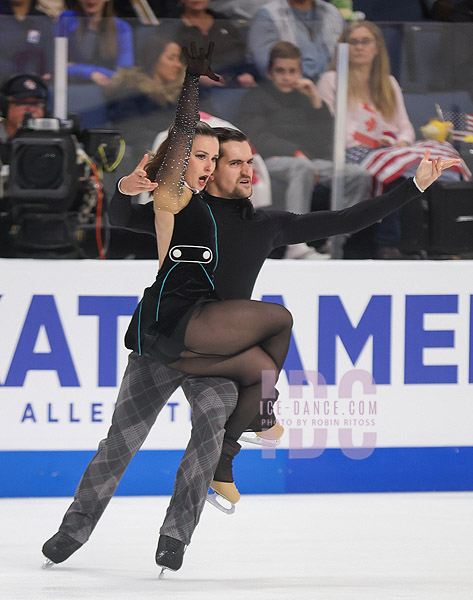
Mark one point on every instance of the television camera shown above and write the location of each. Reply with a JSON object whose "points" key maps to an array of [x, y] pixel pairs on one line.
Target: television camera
{"points": [[52, 188]]}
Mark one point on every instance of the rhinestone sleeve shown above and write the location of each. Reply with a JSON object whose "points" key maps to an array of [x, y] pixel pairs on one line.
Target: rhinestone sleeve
{"points": [[171, 173]]}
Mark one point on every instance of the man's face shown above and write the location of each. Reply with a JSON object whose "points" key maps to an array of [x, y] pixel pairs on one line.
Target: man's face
{"points": [[18, 107], [234, 172], [285, 73]]}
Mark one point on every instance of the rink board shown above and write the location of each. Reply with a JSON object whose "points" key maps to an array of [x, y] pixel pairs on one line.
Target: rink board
{"points": [[376, 393], [152, 472]]}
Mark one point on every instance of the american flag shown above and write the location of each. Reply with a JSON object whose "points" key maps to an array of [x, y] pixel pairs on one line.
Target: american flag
{"points": [[388, 164], [462, 124]]}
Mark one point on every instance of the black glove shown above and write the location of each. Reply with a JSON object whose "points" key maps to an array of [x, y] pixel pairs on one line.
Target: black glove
{"points": [[198, 63]]}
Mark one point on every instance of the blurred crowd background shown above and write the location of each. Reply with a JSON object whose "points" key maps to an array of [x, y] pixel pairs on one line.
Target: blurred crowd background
{"points": [[410, 87]]}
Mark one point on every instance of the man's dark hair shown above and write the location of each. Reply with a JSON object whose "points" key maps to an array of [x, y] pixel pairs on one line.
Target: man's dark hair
{"points": [[283, 50], [229, 134]]}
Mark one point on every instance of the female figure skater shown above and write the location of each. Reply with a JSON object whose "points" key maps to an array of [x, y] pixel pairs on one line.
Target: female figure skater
{"points": [[180, 318]]}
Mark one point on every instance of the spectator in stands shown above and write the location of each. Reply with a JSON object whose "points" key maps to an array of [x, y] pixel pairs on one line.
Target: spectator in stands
{"points": [[99, 42], [314, 26], [370, 85], [26, 39], [199, 24], [376, 114], [293, 130], [142, 100]]}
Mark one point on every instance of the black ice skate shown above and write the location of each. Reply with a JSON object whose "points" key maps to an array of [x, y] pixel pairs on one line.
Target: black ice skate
{"points": [[59, 548], [170, 554], [223, 484]]}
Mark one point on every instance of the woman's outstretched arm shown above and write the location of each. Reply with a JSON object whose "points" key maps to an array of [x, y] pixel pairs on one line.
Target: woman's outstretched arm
{"points": [[171, 195]]}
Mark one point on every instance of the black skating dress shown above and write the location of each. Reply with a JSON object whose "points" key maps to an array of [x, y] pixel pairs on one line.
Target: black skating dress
{"points": [[185, 279]]}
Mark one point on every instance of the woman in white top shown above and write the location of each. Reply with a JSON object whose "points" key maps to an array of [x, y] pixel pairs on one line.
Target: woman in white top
{"points": [[373, 93], [376, 113]]}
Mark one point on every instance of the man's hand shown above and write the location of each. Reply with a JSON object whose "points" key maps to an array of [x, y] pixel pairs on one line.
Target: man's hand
{"points": [[198, 63], [429, 171], [137, 182]]}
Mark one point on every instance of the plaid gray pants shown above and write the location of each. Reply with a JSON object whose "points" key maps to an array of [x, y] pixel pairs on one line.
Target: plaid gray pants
{"points": [[145, 389]]}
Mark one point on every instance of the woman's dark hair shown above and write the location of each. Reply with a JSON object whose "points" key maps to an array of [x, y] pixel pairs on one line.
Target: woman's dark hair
{"points": [[106, 31], [151, 50], [157, 159]]}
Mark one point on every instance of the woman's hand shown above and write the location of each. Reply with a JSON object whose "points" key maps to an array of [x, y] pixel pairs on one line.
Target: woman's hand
{"points": [[137, 182], [198, 63], [100, 79], [429, 171]]}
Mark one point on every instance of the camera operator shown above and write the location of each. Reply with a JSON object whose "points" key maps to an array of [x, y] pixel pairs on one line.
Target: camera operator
{"points": [[51, 188], [19, 95]]}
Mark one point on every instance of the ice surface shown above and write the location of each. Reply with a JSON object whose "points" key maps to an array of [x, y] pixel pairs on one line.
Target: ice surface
{"points": [[295, 547]]}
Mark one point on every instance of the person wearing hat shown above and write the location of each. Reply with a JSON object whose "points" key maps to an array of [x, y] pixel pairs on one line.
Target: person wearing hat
{"points": [[21, 94]]}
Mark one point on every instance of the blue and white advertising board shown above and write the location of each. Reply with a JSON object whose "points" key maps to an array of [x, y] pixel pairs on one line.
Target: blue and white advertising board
{"points": [[376, 392]]}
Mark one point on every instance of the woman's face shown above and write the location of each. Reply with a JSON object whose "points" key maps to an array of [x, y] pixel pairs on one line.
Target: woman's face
{"points": [[93, 8], [202, 161], [363, 47], [169, 64]]}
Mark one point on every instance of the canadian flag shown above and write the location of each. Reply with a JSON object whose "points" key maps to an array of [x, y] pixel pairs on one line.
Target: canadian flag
{"points": [[370, 131]]}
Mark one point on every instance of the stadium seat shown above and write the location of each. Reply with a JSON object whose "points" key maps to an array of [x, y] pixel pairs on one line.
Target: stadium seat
{"points": [[402, 10]]}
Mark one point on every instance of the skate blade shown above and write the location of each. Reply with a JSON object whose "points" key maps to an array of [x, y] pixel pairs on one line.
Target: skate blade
{"points": [[47, 564], [252, 438], [213, 498], [161, 575]]}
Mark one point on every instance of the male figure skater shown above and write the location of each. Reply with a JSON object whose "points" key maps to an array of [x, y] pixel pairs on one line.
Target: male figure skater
{"points": [[246, 238]]}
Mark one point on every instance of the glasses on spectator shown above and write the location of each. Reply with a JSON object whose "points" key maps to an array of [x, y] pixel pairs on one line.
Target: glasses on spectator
{"points": [[31, 104], [365, 42]]}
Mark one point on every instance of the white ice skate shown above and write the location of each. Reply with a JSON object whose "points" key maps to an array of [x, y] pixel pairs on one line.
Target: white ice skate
{"points": [[269, 437], [215, 499], [223, 486]]}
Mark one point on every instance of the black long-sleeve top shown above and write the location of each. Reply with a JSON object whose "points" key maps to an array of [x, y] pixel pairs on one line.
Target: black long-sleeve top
{"points": [[244, 242]]}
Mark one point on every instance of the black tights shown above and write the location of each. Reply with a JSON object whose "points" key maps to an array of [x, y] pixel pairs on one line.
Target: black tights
{"points": [[238, 339]]}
